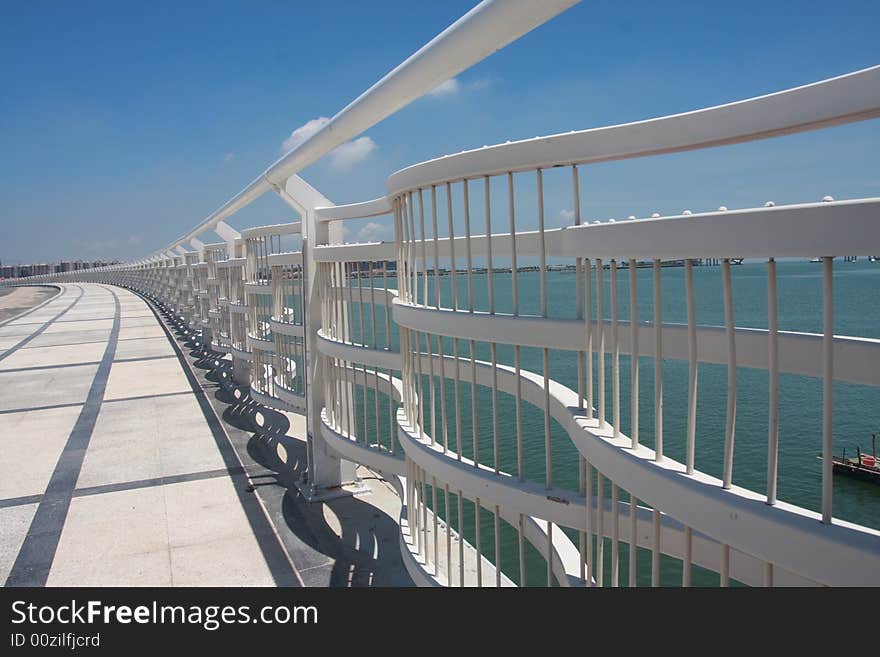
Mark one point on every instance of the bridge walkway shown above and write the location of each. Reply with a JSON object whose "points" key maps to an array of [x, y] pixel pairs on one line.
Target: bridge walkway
{"points": [[114, 467]]}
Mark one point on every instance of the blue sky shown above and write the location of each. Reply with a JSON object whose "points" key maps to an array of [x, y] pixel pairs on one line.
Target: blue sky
{"points": [[122, 126]]}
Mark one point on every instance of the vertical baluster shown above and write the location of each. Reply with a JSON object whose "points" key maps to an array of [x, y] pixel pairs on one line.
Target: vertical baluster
{"points": [[582, 538], [475, 427], [520, 464], [692, 366], [372, 308], [434, 514], [392, 424], [542, 252], [478, 546], [460, 540], [600, 318], [414, 267], [522, 552], [548, 448], [827, 387], [364, 343], [688, 557], [655, 550], [418, 372], [588, 322], [514, 285], [730, 428], [773, 366], [615, 536], [588, 487], [423, 485], [490, 274], [578, 267], [448, 527], [467, 245], [443, 418], [600, 529], [457, 395], [658, 361], [452, 284], [423, 249], [633, 539], [430, 357], [436, 246], [387, 305], [634, 359], [497, 533], [496, 456], [615, 350]]}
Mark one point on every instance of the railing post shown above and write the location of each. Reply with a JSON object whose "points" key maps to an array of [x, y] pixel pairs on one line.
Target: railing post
{"points": [[327, 473]]}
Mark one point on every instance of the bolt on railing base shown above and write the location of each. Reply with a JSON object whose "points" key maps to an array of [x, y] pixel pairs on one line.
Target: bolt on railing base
{"points": [[312, 493]]}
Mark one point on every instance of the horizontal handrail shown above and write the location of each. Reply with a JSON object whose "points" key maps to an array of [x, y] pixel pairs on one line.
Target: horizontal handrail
{"points": [[488, 27], [843, 99]]}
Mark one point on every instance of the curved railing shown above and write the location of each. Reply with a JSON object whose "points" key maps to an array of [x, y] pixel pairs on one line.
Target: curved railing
{"points": [[658, 491], [556, 405]]}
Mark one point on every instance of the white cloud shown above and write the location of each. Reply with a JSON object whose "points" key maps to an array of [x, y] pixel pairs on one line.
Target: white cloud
{"points": [[566, 215], [448, 88], [344, 156], [374, 232], [228, 157], [482, 83], [303, 132]]}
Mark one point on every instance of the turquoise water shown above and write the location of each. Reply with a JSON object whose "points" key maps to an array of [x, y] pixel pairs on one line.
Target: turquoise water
{"points": [[856, 408]]}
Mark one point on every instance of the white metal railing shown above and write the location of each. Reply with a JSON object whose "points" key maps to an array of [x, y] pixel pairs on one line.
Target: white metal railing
{"points": [[529, 437]]}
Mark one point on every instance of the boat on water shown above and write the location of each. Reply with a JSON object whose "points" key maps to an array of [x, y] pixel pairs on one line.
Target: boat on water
{"points": [[864, 466]]}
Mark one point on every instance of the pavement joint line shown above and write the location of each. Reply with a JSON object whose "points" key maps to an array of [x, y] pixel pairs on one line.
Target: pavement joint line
{"points": [[50, 407], [142, 358], [34, 368], [20, 501], [71, 344], [103, 489], [46, 325], [82, 364], [37, 552]]}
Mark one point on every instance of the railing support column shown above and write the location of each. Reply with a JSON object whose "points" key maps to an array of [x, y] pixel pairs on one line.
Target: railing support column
{"points": [[328, 475]]}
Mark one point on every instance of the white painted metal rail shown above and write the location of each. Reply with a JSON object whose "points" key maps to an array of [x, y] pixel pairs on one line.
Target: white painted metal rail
{"points": [[439, 360]]}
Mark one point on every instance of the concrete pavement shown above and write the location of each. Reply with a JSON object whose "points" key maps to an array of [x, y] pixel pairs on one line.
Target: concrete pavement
{"points": [[115, 469]]}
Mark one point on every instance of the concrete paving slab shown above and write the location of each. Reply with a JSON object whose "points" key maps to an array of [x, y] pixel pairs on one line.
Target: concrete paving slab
{"points": [[56, 355], [65, 385], [113, 524], [30, 444], [232, 561], [68, 338], [204, 512], [85, 324], [141, 570], [149, 331], [148, 377], [143, 348], [15, 521], [134, 322]]}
